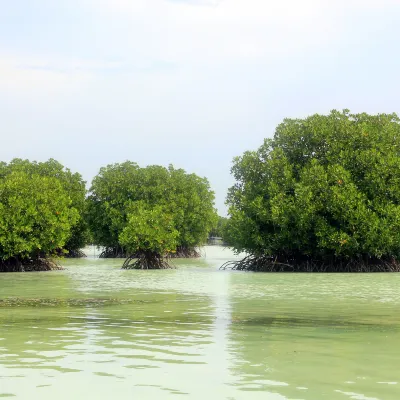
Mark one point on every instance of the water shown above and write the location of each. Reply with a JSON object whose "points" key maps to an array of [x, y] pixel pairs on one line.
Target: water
{"points": [[95, 331]]}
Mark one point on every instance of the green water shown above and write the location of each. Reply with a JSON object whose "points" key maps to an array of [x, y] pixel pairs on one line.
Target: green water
{"points": [[96, 332]]}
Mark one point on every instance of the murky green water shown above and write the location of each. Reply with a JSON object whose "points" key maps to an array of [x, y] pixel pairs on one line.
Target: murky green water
{"points": [[96, 332]]}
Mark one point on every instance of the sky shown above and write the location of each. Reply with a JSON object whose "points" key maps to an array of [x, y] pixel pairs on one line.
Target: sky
{"points": [[188, 82]]}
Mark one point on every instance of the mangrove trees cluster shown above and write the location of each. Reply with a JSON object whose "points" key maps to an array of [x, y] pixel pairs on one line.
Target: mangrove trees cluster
{"points": [[147, 213], [322, 195]]}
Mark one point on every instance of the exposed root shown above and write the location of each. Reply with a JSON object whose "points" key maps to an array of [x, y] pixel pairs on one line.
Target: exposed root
{"points": [[29, 265], [185, 252], [75, 254], [113, 252], [275, 264], [119, 252], [146, 260]]}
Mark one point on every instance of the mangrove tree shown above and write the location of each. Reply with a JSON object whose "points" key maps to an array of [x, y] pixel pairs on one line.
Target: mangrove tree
{"points": [[173, 204], [322, 195]]}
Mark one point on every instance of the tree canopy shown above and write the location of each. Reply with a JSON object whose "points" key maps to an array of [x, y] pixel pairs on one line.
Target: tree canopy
{"points": [[148, 235], [73, 185], [323, 194], [132, 209], [40, 211], [220, 228]]}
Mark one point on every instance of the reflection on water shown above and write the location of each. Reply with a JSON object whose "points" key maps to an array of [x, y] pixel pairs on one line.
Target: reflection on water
{"points": [[94, 331]]}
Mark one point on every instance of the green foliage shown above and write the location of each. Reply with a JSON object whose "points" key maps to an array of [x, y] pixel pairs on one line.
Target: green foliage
{"points": [[186, 198], [219, 229], [35, 215], [191, 202], [42, 209], [149, 230], [326, 187]]}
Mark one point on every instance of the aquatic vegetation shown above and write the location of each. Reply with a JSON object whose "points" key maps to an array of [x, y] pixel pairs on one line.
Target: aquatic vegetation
{"points": [[69, 302]]}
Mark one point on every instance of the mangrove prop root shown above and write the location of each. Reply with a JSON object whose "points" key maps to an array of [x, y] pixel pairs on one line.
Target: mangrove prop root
{"points": [[146, 261], [184, 252], [113, 252], [181, 252], [75, 254], [276, 264], [39, 264]]}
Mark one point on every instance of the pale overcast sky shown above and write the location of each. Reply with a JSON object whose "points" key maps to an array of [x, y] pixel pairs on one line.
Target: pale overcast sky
{"points": [[193, 83]]}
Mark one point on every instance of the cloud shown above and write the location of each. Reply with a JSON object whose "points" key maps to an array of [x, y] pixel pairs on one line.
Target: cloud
{"points": [[21, 73], [207, 3], [52, 74], [210, 32], [224, 30], [139, 36]]}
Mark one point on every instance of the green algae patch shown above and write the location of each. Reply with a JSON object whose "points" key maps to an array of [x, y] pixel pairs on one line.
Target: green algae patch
{"points": [[58, 302]]}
